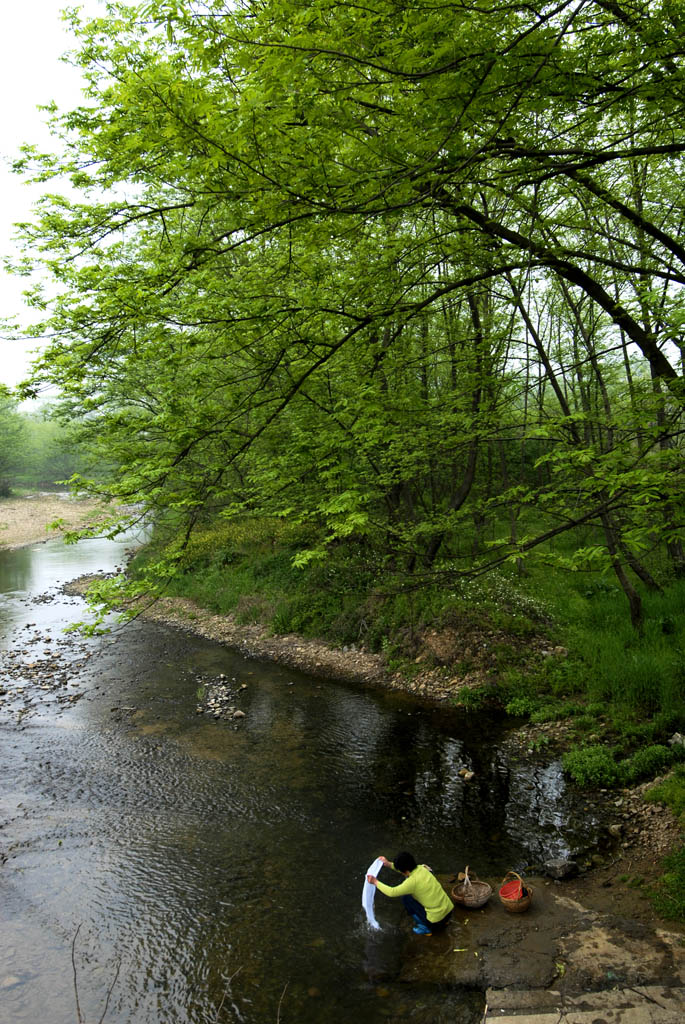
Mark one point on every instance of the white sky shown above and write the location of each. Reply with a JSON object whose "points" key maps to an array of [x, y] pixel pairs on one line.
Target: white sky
{"points": [[32, 39]]}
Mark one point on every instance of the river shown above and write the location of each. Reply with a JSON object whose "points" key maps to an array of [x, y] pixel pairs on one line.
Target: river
{"points": [[214, 868]]}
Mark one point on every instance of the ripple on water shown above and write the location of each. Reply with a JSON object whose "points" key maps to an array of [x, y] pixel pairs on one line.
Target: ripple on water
{"points": [[223, 862]]}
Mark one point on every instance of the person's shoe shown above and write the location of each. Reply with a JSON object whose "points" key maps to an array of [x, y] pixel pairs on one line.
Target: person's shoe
{"points": [[420, 929]]}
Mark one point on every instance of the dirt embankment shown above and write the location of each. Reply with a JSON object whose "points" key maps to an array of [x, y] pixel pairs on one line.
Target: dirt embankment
{"points": [[26, 520], [448, 660]]}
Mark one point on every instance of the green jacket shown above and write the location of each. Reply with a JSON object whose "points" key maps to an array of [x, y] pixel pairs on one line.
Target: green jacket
{"points": [[424, 887]]}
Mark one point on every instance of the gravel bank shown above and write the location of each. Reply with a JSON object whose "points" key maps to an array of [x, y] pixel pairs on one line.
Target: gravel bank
{"points": [[26, 520]]}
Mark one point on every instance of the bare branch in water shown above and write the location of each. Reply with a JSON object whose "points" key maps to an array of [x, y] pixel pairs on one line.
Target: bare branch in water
{"points": [[278, 1015], [73, 964], [79, 1015], [226, 991], [110, 990]]}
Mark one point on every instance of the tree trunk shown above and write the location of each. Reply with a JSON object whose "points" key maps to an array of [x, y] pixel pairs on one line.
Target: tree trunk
{"points": [[634, 599], [464, 489]]}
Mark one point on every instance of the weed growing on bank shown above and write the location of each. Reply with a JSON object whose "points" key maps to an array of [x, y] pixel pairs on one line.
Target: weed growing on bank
{"points": [[668, 895], [671, 791], [598, 766]]}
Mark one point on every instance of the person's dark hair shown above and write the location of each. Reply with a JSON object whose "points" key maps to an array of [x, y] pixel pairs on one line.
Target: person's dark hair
{"points": [[404, 862]]}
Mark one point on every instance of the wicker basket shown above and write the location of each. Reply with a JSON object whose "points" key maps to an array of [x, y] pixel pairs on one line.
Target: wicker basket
{"points": [[471, 892], [514, 894]]}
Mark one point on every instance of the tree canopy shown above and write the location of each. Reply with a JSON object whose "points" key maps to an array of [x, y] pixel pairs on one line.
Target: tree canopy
{"points": [[398, 271]]}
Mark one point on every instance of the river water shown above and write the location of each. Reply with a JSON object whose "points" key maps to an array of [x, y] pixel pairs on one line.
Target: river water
{"points": [[214, 868]]}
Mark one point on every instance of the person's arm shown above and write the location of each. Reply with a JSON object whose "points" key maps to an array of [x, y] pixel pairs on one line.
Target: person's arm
{"points": [[403, 889]]}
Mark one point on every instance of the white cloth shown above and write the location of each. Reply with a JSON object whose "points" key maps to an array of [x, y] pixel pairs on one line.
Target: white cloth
{"points": [[369, 891]]}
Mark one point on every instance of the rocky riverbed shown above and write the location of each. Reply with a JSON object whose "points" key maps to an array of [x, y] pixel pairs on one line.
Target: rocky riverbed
{"points": [[40, 669]]}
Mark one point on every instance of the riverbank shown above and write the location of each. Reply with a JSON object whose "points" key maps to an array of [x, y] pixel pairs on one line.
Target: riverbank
{"points": [[641, 834], [615, 879], [444, 683], [26, 519]]}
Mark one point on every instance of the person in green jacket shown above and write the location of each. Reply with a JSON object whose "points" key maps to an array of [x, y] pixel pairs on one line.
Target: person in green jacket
{"points": [[423, 897]]}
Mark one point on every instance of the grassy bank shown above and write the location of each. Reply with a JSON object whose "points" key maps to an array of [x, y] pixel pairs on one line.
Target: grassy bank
{"points": [[543, 647], [599, 671]]}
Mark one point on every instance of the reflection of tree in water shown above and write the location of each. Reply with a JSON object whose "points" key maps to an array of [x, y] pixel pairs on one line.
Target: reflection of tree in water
{"points": [[395, 775], [539, 812], [471, 812]]}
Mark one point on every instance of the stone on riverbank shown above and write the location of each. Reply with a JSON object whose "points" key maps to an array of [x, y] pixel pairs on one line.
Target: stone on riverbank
{"points": [[562, 868]]}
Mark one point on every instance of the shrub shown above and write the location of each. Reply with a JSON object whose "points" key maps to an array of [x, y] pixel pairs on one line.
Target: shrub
{"points": [[645, 763], [472, 697], [554, 710], [520, 706], [591, 766], [585, 723]]}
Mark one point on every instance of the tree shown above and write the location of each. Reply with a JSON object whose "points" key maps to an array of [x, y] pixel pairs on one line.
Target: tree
{"points": [[301, 277], [11, 438]]}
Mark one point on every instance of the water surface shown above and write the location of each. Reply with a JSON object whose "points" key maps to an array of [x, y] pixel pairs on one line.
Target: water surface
{"points": [[216, 865]]}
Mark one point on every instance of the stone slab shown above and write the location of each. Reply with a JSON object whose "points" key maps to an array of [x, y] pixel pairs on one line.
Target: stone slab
{"points": [[621, 1015], [645, 1005], [557, 945]]}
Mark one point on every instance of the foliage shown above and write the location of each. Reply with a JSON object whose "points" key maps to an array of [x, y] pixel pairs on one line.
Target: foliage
{"points": [[541, 708], [637, 677], [671, 791], [645, 763], [553, 710], [36, 450], [520, 706], [668, 896], [410, 280], [473, 698], [596, 765], [51, 452], [591, 766], [539, 743], [11, 436]]}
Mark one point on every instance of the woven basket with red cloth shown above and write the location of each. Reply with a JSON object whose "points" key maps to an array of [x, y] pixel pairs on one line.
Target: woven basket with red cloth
{"points": [[514, 894]]}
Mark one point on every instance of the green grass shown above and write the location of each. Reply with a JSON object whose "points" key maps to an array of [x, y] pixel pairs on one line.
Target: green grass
{"points": [[668, 896], [598, 765], [671, 792], [643, 673], [592, 766]]}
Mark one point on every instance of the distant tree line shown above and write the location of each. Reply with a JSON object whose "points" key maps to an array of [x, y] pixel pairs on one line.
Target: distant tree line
{"points": [[36, 451]]}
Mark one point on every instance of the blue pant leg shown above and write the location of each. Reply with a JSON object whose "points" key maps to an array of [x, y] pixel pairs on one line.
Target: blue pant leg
{"points": [[415, 909]]}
